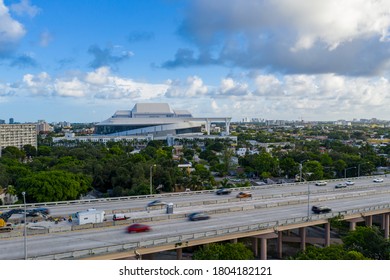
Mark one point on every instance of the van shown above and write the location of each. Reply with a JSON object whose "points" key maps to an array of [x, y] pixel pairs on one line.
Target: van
{"points": [[119, 217]]}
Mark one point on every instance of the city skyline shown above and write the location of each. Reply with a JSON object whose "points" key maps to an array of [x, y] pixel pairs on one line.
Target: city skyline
{"points": [[284, 60]]}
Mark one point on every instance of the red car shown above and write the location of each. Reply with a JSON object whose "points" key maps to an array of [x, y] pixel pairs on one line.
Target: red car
{"points": [[138, 228]]}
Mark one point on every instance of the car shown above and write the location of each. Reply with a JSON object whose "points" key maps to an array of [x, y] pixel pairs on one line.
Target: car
{"points": [[349, 182], [197, 216], [340, 185], [378, 180], [138, 228], [244, 194], [321, 183], [223, 191], [156, 203], [320, 209]]}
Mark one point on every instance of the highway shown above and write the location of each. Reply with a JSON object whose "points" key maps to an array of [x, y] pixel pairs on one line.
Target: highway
{"points": [[269, 204]]}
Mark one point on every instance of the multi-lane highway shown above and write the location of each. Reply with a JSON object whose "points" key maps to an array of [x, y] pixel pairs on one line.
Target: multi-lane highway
{"points": [[269, 205]]}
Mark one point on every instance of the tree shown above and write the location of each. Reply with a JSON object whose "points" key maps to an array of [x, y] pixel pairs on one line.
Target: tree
{"points": [[289, 167], [55, 185], [315, 169], [30, 150], [13, 152], [332, 252], [225, 251], [369, 241]]}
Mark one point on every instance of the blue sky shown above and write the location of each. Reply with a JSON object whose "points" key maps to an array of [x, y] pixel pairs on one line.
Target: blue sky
{"points": [[80, 61]]}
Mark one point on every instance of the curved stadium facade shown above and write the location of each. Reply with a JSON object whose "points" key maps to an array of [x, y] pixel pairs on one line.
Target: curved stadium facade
{"points": [[157, 119]]}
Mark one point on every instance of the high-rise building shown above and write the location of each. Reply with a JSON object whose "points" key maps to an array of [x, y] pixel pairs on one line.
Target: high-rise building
{"points": [[18, 135], [11, 120]]}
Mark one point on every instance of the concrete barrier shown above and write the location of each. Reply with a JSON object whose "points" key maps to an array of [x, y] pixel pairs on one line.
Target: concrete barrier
{"points": [[81, 227]]}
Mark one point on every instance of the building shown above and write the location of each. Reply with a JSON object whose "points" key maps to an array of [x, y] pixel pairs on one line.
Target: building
{"points": [[43, 127], [156, 119], [18, 135]]}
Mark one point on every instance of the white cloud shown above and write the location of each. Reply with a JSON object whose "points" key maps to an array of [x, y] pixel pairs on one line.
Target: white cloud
{"points": [[25, 8], [99, 84], [11, 31], [230, 87], [40, 84], [348, 37], [192, 87], [71, 88], [314, 97]]}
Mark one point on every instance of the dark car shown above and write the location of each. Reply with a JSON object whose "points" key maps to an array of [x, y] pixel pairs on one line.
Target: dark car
{"points": [[320, 209], [138, 228], [197, 216], [223, 191], [156, 203]]}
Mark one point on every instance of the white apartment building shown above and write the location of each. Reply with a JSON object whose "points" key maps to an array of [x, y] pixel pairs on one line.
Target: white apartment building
{"points": [[18, 135]]}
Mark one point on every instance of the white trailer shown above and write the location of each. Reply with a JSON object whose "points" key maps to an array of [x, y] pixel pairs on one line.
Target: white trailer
{"points": [[91, 216]]}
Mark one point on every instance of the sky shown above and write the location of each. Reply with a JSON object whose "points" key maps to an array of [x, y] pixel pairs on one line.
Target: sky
{"points": [[80, 61]]}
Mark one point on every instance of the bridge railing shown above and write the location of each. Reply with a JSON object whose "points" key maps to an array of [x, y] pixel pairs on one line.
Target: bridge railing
{"points": [[180, 239]]}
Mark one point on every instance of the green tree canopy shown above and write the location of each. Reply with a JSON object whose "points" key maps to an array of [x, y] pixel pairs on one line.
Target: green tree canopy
{"points": [[369, 241], [53, 186], [332, 252], [226, 251]]}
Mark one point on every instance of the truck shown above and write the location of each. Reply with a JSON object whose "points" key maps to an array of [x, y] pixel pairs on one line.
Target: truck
{"points": [[90, 216]]}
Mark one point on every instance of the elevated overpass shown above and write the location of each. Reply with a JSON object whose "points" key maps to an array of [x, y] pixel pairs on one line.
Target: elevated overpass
{"points": [[274, 210]]}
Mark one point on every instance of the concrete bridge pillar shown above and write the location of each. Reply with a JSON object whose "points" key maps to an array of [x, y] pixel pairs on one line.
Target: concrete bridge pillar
{"points": [[234, 241], [352, 225], [179, 253], [302, 234], [387, 219], [263, 248], [368, 221], [327, 234], [280, 245], [255, 246]]}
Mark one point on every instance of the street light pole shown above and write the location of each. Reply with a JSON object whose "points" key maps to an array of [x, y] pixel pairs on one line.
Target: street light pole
{"points": [[308, 188], [25, 226], [308, 201], [151, 179]]}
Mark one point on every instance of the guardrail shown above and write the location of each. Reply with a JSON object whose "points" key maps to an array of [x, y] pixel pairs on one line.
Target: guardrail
{"points": [[177, 239]]}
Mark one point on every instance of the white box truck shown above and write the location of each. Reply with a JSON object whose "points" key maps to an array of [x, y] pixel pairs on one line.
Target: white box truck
{"points": [[91, 216]]}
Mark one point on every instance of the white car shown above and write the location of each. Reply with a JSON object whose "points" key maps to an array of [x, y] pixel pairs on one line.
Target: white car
{"points": [[378, 180], [321, 183], [349, 182]]}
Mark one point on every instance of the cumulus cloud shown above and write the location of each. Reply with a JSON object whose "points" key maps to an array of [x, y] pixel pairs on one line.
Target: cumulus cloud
{"points": [[109, 56], [11, 31], [192, 87], [230, 87], [99, 84], [343, 37]]}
